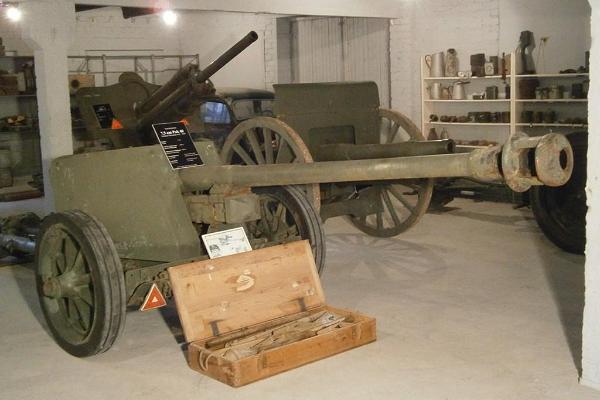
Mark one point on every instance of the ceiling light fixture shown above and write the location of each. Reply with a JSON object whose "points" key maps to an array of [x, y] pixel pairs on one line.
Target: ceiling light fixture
{"points": [[169, 17], [13, 13]]}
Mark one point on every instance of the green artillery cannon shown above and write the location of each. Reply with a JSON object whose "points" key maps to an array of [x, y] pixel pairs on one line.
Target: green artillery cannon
{"points": [[125, 215]]}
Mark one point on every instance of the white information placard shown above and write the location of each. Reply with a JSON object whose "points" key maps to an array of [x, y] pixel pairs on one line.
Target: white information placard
{"points": [[226, 243]]}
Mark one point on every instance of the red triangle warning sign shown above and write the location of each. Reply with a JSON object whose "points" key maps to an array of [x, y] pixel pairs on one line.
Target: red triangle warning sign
{"points": [[154, 299], [116, 124]]}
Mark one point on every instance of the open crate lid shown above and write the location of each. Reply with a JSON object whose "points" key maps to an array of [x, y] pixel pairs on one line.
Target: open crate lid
{"points": [[218, 296]]}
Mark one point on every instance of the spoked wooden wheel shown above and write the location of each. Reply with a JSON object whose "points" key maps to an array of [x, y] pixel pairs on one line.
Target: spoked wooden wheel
{"points": [[403, 202], [80, 283], [265, 140], [286, 216]]}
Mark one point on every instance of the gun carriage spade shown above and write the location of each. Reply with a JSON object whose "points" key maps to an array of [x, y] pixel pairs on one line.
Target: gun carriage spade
{"points": [[124, 215]]}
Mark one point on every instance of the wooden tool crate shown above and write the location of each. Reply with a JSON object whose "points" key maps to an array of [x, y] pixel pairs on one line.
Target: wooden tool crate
{"points": [[263, 297]]}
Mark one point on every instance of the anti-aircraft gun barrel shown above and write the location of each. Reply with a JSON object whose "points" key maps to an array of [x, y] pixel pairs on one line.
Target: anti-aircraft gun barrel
{"points": [[186, 81]]}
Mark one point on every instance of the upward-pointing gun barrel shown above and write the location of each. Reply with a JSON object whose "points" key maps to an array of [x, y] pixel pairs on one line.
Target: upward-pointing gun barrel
{"points": [[184, 82]]}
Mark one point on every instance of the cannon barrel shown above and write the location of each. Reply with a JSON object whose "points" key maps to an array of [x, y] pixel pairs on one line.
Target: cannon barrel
{"points": [[179, 78], [521, 163], [344, 151], [185, 81]]}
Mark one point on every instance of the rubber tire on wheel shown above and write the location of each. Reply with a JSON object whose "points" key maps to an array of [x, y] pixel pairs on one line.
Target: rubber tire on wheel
{"points": [[305, 217], [107, 281], [560, 211]]}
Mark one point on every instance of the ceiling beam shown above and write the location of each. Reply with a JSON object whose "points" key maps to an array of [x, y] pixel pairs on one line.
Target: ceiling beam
{"points": [[80, 7], [132, 12], [347, 8]]}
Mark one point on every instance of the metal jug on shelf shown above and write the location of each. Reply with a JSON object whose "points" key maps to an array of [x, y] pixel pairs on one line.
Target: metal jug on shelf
{"points": [[435, 63], [435, 91], [457, 91]]}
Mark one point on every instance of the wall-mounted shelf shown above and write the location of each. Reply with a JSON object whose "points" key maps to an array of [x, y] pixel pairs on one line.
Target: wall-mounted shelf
{"points": [[551, 100], [575, 75], [23, 141], [532, 125], [10, 56], [12, 96], [456, 78], [564, 107], [468, 101], [469, 123]]}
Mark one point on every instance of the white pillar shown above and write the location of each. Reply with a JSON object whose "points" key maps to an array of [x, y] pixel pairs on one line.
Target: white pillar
{"points": [[47, 27], [591, 315]]}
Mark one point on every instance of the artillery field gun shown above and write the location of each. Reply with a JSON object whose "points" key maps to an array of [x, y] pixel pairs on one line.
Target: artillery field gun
{"points": [[124, 215]]}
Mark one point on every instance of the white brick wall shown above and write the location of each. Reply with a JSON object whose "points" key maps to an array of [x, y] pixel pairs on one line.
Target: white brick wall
{"points": [[270, 38], [104, 31], [469, 26], [11, 37], [486, 26]]}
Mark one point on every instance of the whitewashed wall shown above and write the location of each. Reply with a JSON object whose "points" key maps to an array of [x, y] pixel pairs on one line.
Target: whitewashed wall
{"points": [[487, 26], [330, 49], [349, 8], [104, 31], [591, 316]]}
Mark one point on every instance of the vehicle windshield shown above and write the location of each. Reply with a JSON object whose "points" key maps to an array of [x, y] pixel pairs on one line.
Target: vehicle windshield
{"points": [[248, 108], [214, 112]]}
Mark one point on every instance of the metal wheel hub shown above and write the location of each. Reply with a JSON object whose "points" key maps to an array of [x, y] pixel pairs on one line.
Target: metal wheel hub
{"points": [[274, 224], [266, 140], [68, 284], [400, 204]]}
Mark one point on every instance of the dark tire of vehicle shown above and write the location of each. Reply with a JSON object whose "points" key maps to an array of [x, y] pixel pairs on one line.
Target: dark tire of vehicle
{"points": [[560, 211], [302, 214], [86, 314]]}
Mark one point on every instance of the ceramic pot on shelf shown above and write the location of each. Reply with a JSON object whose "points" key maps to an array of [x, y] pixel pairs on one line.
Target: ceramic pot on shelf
{"points": [[451, 63]]}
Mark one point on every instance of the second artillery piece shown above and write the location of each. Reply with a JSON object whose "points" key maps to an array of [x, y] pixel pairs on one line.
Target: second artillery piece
{"points": [[124, 215]]}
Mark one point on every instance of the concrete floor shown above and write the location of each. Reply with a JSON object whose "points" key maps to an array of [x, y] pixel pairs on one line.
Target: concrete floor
{"points": [[473, 303]]}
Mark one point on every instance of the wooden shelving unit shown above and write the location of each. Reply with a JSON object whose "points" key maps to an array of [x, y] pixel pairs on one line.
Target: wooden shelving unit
{"points": [[569, 106], [470, 123], [468, 101], [575, 75], [551, 100], [17, 95], [455, 78], [499, 131], [24, 141], [532, 125]]}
